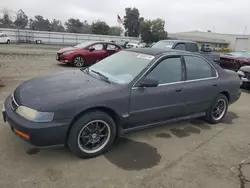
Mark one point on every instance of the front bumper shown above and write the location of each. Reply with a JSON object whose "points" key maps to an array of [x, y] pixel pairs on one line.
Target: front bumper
{"points": [[63, 58], [40, 134]]}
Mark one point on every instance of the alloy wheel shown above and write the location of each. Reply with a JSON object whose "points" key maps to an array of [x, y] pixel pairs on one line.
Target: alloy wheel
{"points": [[79, 61], [94, 136], [219, 109]]}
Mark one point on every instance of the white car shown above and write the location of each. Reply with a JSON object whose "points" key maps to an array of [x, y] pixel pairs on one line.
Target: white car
{"points": [[4, 38], [132, 45]]}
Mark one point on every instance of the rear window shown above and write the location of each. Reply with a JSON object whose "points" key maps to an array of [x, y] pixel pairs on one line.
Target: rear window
{"points": [[163, 44], [192, 47]]}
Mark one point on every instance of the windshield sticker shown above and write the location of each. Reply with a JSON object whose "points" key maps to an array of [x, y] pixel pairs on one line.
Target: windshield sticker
{"points": [[145, 56]]}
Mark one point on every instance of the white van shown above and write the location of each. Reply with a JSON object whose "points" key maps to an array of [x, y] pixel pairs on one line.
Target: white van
{"points": [[4, 38]]}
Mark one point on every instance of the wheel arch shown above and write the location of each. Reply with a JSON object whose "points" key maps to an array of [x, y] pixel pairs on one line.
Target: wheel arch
{"points": [[226, 93], [112, 113]]}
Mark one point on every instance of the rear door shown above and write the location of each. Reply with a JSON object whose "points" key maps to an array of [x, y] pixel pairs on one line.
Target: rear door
{"points": [[166, 101], [202, 84]]}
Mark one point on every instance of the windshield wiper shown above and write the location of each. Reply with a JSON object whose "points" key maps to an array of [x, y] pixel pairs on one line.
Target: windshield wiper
{"points": [[105, 78], [85, 69]]}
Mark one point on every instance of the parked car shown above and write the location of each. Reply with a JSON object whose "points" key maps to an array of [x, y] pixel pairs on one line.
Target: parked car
{"points": [[184, 45], [244, 74], [4, 39], [206, 48], [87, 53], [177, 45], [132, 45], [234, 60], [130, 90]]}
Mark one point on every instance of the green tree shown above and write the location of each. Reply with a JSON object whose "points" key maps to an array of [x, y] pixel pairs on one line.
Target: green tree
{"points": [[131, 22], [86, 28], [21, 20], [100, 27], [115, 31], [57, 26], [6, 21], [158, 31], [41, 24], [74, 25], [152, 31]]}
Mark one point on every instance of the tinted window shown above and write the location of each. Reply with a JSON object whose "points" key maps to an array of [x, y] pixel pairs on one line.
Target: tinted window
{"points": [[98, 46], [180, 47], [197, 68], [168, 71], [192, 47]]}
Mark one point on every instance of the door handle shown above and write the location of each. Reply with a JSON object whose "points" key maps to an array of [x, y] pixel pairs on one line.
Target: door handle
{"points": [[179, 90], [214, 85]]}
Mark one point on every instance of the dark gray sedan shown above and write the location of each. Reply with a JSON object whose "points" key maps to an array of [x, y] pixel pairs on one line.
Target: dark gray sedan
{"points": [[133, 89]]}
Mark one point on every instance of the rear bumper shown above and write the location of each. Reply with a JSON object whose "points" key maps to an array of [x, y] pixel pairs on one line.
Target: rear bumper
{"points": [[40, 134], [234, 97]]}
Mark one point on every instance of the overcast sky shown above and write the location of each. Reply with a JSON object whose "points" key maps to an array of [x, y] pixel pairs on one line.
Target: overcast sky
{"points": [[226, 16]]}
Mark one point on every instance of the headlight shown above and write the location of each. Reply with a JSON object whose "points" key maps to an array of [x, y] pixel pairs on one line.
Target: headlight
{"points": [[34, 115], [67, 53]]}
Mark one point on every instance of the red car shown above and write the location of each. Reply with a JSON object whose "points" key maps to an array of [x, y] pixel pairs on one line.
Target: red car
{"points": [[234, 60], [86, 53]]}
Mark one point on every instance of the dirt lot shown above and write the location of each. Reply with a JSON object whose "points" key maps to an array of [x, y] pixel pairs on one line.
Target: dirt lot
{"points": [[187, 154]]}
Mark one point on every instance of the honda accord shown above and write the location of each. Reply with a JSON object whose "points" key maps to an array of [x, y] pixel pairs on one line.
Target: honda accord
{"points": [[130, 90]]}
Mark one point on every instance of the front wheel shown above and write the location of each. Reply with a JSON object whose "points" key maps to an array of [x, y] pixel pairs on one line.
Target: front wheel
{"points": [[8, 42], [78, 61], [217, 110], [92, 134]]}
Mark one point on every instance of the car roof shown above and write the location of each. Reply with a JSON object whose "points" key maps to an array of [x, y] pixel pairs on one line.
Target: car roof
{"points": [[157, 51], [177, 41]]}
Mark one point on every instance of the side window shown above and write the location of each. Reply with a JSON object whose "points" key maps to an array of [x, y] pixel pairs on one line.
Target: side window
{"points": [[167, 71], [98, 46], [192, 47], [198, 68], [180, 47], [1, 35], [111, 47]]}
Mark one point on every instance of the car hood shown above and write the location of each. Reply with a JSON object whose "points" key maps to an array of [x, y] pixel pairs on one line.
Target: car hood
{"points": [[66, 49], [49, 91], [245, 69]]}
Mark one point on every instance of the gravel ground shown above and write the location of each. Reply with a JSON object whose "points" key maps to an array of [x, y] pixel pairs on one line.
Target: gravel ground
{"points": [[187, 154]]}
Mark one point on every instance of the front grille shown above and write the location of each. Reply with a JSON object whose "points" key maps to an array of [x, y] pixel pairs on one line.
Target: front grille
{"points": [[13, 103]]}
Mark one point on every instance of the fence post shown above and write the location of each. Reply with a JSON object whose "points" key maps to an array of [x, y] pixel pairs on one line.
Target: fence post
{"points": [[63, 38], [49, 38]]}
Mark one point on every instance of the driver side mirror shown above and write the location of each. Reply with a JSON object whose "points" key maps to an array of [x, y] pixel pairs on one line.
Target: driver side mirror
{"points": [[91, 49], [148, 82]]}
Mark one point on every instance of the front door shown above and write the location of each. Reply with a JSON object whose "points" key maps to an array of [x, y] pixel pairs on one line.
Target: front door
{"points": [[202, 84], [97, 54], [166, 101]]}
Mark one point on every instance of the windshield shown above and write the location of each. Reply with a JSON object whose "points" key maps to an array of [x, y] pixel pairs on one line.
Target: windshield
{"points": [[122, 67], [82, 45], [163, 44], [239, 54]]}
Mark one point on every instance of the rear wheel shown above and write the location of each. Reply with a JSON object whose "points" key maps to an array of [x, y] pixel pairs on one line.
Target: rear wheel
{"points": [[78, 61], [92, 134], [217, 110]]}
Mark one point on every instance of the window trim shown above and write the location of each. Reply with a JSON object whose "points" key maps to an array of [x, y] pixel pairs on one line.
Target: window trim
{"points": [[158, 60], [210, 64]]}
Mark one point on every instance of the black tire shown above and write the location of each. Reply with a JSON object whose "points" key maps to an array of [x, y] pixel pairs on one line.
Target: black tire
{"points": [[8, 42], [78, 61], [209, 115], [77, 128]]}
